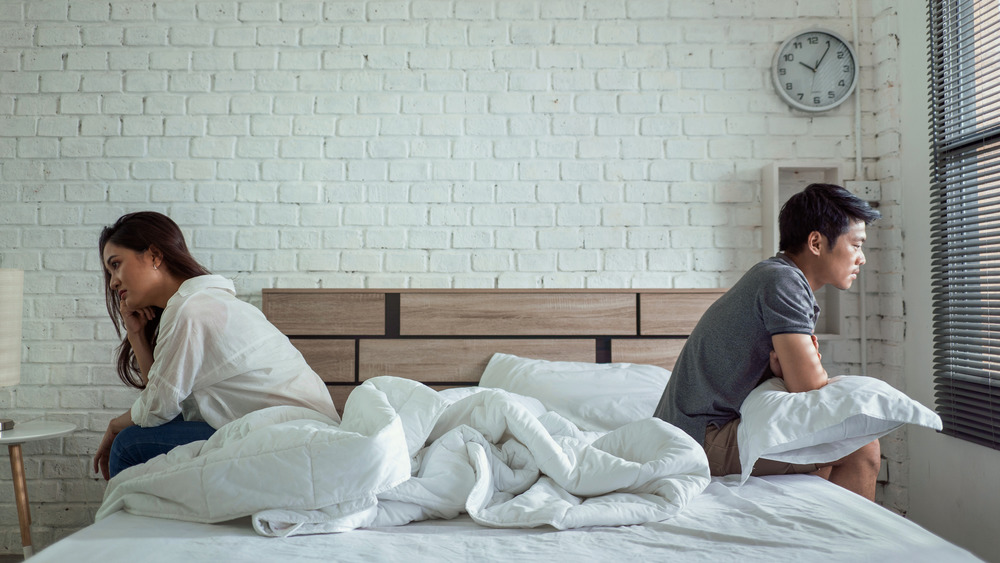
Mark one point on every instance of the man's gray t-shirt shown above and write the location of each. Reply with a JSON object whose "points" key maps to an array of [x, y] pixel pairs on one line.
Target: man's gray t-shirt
{"points": [[728, 351]]}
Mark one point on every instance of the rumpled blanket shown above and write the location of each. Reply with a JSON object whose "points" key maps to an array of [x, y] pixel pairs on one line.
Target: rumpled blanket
{"points": [[403, 453]]}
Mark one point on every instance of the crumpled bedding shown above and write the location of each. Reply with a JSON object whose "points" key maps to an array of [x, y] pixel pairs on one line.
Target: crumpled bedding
{"points": [[404, 452]]}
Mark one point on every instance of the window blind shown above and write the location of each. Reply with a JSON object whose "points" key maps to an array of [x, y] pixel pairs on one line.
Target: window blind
{"points": [[965, 215]]}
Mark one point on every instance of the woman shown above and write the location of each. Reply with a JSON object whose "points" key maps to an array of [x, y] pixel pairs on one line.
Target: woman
{"points": [[200, 356]]}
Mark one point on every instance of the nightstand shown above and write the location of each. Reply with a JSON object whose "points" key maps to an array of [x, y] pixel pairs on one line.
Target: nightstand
{"points": [[28, 432]]}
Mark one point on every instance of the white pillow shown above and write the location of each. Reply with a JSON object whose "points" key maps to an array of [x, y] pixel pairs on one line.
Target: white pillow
{"points": [[823, 425], [599, 397]]}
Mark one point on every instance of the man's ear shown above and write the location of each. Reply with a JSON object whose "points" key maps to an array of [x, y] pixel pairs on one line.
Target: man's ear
{"points": [[814, 243]]}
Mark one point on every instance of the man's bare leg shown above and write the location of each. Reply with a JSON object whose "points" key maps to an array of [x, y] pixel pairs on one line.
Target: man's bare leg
{"points": [[856, 472]]}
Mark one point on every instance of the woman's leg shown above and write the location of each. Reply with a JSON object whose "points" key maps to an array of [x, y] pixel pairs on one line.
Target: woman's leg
{"points": [[136, 444]]}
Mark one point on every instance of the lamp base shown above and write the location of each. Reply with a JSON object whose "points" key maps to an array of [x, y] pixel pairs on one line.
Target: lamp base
{"points": [[6, 424]]}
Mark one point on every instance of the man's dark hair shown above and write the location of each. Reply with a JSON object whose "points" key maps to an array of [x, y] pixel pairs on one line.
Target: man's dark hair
{"points": [[826, 208]]}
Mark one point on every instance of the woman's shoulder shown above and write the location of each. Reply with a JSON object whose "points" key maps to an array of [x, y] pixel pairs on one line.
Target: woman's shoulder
{"points": [[202, 297], [208, 283]]}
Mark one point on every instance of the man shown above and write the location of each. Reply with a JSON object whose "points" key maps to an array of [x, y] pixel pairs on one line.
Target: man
{"points": [[764, 326]]}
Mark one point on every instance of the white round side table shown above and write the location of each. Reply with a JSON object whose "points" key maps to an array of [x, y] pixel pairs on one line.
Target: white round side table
{"points": [[28, 432]]}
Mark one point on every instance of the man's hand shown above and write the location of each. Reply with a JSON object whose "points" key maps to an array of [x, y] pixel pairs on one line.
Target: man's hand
{"points": [[776, 365], [816, 345]]}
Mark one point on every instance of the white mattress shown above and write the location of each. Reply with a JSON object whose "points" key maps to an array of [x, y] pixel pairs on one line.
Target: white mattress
{"points": [[787, 518]]}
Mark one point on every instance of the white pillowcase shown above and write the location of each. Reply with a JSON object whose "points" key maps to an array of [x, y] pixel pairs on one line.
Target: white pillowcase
{"points": [[823, 425], [599, 397]]}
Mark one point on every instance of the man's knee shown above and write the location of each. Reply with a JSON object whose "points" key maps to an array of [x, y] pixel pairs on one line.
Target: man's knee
{"points": [[868, 457]]}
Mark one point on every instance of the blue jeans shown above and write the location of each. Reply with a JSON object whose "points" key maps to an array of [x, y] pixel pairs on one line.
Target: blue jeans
{"points": [[136, 444]]}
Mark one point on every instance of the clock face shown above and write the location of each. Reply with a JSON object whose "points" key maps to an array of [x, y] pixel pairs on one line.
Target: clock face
{"points": [[815, 70]]}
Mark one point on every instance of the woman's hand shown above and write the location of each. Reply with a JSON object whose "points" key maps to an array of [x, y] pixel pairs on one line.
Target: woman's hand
{"points": [[103, 454], [135, 319], [135, 322]]}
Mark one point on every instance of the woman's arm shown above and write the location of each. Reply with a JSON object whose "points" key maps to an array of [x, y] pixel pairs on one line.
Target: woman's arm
{"points": [[187, 352], [135, 324], [103, 454], [143, 356]]}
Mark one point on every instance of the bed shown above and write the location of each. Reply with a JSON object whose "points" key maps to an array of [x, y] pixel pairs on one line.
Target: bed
{"points": [[446, 340]]}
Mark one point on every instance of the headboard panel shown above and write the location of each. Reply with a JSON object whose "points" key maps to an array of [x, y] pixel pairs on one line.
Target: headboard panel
{"points": [[317, 312], [517, 314], [458, 360], [446, 337]]}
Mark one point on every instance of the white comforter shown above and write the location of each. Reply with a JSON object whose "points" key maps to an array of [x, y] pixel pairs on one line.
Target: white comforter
{"points": [[405, 452]]}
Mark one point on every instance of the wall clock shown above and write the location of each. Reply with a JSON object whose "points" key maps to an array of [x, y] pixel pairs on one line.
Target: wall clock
{"points": [[815, 70]]}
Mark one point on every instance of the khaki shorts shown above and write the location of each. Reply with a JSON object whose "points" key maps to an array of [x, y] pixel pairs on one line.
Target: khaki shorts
{"points": [[724, 455]]}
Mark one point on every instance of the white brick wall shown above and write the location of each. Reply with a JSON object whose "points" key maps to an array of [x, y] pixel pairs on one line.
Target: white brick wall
{"points": [[885, 323], [408, 143]]}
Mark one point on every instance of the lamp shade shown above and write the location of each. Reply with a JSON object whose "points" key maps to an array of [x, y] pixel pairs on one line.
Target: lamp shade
{"points": [[11, 309]]}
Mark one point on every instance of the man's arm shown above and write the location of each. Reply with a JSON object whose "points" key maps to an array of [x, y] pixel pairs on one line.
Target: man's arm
{"points": [[798, 360]]}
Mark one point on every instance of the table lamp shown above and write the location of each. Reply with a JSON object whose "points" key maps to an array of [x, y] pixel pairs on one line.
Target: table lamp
{"points": [[11, 310]]}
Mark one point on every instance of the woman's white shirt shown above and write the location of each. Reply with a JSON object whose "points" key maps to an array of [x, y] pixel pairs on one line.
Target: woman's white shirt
{"points": [[218, 358]]}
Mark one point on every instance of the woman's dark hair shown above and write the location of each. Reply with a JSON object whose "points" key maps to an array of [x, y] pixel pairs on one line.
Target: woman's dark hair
{"points": [[826, 208], [138, 232]]}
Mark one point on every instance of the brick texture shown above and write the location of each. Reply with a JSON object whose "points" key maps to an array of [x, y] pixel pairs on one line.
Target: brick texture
{"points": [[466, 143]]}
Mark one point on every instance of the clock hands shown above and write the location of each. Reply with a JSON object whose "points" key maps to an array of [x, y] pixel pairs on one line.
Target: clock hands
{"points": [[823, 56]]}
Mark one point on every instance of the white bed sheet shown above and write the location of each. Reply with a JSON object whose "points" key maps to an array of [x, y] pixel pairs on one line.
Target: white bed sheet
{"points": [[787, 518]]}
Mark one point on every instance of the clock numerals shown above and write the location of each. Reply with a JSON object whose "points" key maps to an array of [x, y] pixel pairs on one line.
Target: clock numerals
{"points": [[815, 70]]}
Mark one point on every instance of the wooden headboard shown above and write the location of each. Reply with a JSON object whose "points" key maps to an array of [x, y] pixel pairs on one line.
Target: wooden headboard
{"points": [[445, 337]]}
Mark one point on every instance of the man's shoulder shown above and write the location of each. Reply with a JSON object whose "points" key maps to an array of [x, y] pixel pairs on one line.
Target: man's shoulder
{"points": [[766, 284], [775, 265], [775, 272]]}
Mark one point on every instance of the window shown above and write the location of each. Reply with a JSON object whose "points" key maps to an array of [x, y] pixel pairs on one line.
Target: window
{"points": [[965, 215]]}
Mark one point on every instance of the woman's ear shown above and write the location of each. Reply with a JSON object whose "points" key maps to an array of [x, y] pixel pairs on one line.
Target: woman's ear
{"points": [[155, 255]]}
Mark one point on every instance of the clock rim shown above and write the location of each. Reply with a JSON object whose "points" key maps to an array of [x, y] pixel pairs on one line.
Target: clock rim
{"points": [[775, 82]]}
